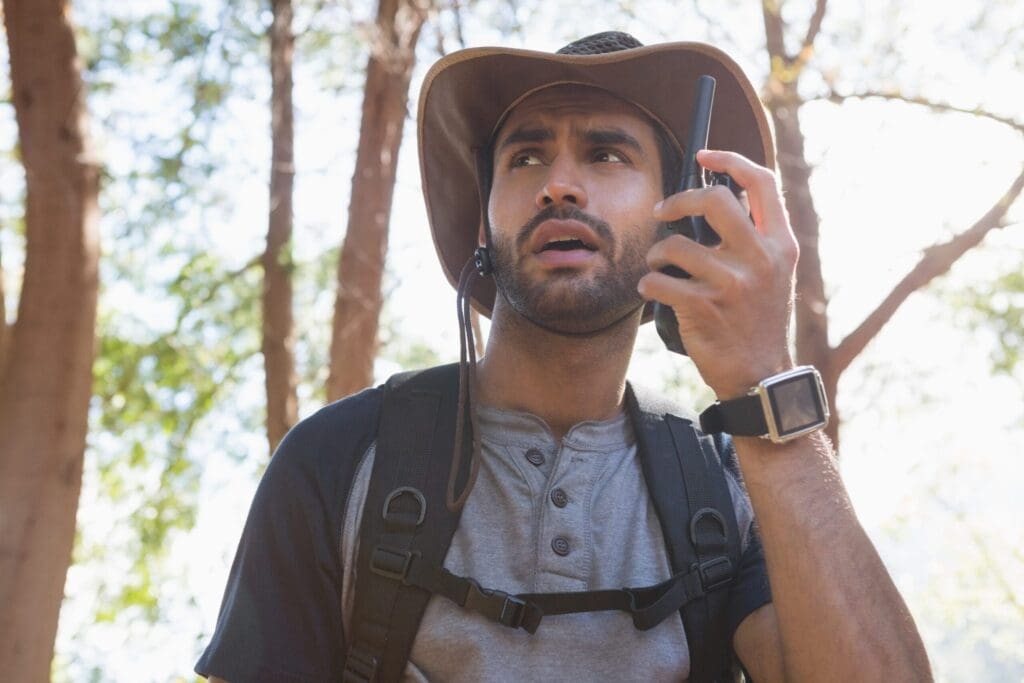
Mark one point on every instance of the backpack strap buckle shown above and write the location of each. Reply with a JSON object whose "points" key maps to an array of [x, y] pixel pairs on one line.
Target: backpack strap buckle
{"points": [[360, 667], [392, 563], [715, 573], [496, 605]]}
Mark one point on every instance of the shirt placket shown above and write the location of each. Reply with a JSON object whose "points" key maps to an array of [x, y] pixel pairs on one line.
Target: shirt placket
{"points": [[564, 541]]}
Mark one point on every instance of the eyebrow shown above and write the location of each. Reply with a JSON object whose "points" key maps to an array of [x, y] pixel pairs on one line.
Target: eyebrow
{"points": [[521, 135], [613, 137]]}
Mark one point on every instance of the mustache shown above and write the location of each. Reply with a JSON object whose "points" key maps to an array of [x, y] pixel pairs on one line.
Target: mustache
{"points": [[566, 213]]}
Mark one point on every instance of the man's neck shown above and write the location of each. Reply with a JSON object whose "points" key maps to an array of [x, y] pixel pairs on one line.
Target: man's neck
{"points": [[561, 379]]}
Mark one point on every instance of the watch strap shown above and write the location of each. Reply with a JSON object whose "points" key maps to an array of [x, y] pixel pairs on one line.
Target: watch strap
{"points": [[743, 416]]}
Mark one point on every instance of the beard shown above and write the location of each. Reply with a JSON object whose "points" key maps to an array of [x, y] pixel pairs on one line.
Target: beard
{"points": [[568, 301]]}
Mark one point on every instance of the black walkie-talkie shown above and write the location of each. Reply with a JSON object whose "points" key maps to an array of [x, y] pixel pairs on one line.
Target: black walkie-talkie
{"points": [[694, 227]]}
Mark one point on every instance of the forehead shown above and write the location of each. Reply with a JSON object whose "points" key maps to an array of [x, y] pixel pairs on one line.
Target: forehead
{"points": [[580, 103]]}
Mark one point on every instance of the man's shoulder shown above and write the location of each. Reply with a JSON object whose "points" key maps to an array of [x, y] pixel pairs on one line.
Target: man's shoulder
{"points": [[326, 445]]}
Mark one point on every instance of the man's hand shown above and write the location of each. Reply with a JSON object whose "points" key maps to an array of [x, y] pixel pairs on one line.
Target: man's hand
{"points": [[836, 614], [734, 312]]}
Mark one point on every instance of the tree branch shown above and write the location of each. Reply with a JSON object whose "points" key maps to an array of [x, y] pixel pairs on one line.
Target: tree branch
{"points": [[813, 29], [839, 98], [937, 260], [460, 35], [774, 31]]}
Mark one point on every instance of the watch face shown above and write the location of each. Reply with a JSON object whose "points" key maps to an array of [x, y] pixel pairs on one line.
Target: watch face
{"points": [[796, 404]]}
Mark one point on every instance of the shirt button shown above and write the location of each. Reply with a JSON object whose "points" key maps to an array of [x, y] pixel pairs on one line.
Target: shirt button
{"points": [[535, 457], [560, 545], [559, 498]]}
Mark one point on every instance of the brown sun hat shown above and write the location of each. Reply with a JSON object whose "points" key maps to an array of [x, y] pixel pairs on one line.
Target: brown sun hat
{"points": [[467, 94]]}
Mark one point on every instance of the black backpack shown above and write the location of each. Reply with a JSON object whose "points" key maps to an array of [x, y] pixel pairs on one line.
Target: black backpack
{"points": [[407, 529]]}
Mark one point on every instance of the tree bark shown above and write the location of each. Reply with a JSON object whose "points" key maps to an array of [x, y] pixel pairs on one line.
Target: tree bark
{"points": [[361, 265], [278, 317], [45, 393], [783, 102], [3, 324]]}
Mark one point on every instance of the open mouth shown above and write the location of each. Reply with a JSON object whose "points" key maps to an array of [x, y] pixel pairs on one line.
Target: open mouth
{"points": [[567, 244]]}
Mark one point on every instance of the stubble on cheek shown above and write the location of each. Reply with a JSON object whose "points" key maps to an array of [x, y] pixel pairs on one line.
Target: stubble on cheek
{"points": [[567, 299]]}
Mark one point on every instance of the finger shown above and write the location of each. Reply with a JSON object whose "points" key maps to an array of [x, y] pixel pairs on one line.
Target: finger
{"points": [[719, 206], [760, 183], [671, 291], [702, 263]]}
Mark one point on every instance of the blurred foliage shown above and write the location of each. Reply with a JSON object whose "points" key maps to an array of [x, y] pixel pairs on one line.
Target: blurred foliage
{"points": [[150, 394], [179, 326], [176, 322], [997, 307]]}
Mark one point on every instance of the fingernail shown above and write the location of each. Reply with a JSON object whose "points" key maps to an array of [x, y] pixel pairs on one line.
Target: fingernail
{"points": [[657, 207]]}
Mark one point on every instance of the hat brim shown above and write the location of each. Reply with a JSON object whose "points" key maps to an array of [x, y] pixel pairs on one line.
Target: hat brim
{"points": [[466, 94]]}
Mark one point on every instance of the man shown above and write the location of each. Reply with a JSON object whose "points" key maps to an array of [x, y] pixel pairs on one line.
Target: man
{"points": [[575, 156]]}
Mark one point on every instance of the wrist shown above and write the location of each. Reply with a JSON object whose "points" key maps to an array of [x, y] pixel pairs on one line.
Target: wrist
{"points": [[742, 382], [781, 407]]}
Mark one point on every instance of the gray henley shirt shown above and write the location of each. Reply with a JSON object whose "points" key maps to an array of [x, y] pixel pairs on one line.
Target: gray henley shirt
{"points": [[548, 516]]}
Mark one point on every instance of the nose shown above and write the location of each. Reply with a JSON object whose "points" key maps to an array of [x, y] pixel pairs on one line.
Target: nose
{"points": [[562, 185]]}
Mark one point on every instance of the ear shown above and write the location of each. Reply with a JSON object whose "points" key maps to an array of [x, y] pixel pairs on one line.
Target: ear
{"points": [[481, 236]]}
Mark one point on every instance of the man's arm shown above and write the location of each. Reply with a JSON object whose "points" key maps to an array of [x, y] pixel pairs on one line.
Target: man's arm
{"points": [[836, 614]]}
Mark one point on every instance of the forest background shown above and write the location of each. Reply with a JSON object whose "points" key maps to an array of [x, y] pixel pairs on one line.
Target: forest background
{"points": [[180, 282]]}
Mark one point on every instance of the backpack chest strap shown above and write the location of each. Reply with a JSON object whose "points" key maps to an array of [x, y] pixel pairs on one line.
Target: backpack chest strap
{"points": [[648, 605]]}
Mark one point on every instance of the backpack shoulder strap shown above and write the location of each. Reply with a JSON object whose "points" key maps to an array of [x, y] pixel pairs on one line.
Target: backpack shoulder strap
{"points": [[683, 470], [404, 516]]}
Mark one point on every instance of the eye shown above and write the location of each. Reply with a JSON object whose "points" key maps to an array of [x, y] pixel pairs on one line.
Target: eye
{"points": [[609, 156], [522, 159]]}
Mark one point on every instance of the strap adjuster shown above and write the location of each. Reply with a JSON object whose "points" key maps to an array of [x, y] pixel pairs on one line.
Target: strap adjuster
{"points": [[506, 609], [392, 563], [715, 573], [360, 667]]}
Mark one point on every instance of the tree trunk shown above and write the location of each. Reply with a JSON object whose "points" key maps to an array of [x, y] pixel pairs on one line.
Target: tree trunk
{"points": [[45, 393], [3, 324], [783, 102], [278, 320], [812, 345], [361, 265]]}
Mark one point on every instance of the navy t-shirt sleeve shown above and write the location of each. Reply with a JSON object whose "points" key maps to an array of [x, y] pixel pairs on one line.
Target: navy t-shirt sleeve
{"points": [[750, 590], [280, 619]]}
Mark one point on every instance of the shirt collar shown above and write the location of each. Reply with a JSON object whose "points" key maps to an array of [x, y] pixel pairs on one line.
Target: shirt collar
{"points": [[517, 428]]}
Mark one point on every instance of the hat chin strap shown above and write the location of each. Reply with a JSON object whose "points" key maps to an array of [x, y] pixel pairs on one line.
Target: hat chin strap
{"points": [[466, 411]]}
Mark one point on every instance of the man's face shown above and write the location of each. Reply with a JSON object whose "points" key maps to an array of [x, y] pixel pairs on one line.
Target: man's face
{"points": [[576, 177]]}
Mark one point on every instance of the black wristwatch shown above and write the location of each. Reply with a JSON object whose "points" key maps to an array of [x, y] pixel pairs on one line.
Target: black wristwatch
{"points": [[781, 408]]}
